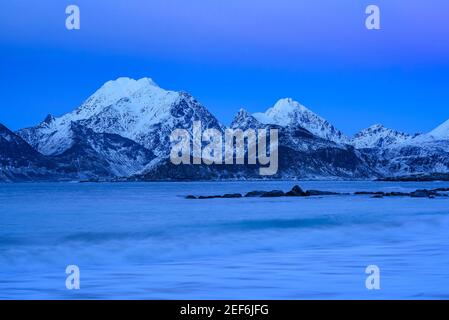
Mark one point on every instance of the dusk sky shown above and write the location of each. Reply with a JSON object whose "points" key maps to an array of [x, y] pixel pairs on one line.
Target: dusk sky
{"points": [[232, 54]]}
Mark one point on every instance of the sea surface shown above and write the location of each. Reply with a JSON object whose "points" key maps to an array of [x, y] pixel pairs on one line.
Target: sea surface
{"points": [[146, 241]]}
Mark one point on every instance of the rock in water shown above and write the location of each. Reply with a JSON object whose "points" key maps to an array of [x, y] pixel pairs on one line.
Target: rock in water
{"points": [[273, 194], [397, 194], [422, 193], [320, 193], [232, 195], [209, 197], [296, 192], [253, 194]]}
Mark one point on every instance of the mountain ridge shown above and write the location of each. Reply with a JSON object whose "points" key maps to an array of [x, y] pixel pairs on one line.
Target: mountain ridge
{"points": [[137, 116]]}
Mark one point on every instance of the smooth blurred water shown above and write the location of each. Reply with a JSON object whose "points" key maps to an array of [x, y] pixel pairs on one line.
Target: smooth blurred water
{"points": [[146, 241]]}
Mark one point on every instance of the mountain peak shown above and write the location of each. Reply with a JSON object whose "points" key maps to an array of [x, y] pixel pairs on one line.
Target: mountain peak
{"points": [[282, 113], [123, 88], [287, 103], [129, 84], [376, 126], [288, 112], [378, 136], [138, 110], [128, 96], [243, 112], [49, 119], [244, 120], [440, 132]]}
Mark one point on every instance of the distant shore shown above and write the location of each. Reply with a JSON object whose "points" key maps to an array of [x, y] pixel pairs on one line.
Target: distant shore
{"points": [[417, 178]]}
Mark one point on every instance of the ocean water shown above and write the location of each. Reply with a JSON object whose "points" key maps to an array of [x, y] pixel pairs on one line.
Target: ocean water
{"points": [[146, 241]]}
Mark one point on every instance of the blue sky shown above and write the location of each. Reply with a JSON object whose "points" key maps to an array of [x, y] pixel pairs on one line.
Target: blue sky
{"points": [[232, 54]]}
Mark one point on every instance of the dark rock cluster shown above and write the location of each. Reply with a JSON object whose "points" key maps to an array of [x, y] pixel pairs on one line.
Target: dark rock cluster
{"points": [[420, 193], [296, 191], [418, 178]]}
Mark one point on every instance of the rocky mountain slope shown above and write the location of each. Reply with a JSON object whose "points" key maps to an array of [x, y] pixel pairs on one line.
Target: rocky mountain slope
{"points": [[101, 155], [377, 136], [20, 162], [393, 153]]}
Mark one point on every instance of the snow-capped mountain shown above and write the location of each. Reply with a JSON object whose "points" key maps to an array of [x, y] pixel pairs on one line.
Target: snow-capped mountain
{"points": [[287, 112], [135, 109], [377, 136]]}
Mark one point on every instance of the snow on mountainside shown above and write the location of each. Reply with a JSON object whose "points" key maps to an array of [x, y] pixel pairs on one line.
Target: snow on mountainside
{"points": [[397, 154], [135, 109], [50, 137], [441, 132], [287, 112], [107, 155], [415, 156], [377, 136]]}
